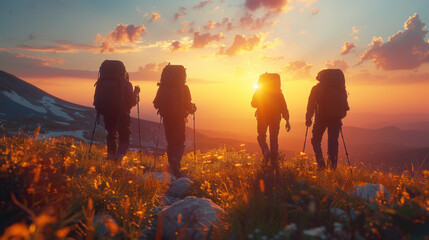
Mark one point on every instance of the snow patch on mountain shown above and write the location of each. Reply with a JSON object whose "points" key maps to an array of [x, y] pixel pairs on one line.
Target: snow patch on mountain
{"points": [[78, 114], [50, 104], [24, 102], [77, 134]]}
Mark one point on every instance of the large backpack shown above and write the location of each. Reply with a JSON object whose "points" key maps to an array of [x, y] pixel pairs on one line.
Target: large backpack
{"points": [[108, 97], [332, 101], [170, 98], [270, 81]]}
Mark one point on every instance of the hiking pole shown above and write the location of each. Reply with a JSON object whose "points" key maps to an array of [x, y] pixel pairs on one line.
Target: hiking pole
{"points": [[195, 148], [345, 148], [305, 140], [4, 134], [97, 118], [157, 142], [138, 119]]}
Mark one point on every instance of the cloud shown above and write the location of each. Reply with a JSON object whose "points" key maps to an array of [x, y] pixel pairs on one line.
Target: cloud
{"points": [[355, 30], [348, 46], [59, 46], [403, 50], [177, 46], [296, 70], [315, 11], [201, 41], [187, 27], [202, 4], [181, 12], [155, 16], [241, 44], [149, 72], [31, 36], [274, 5], [337, 64], [255, 23], [38, 67], [210, 25], [124, 33]]}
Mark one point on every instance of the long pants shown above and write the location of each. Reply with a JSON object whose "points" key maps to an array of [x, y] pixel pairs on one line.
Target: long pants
{"points": [[274, 127], [319, 129], [117, 126], [175, 134]]}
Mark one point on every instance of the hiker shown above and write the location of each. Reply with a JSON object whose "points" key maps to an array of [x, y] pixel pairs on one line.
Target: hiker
{"points": [[173, 102], [113, 99], [270, 107], [328, 100]]}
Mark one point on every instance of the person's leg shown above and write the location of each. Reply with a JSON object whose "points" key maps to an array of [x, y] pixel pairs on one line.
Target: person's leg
{"points": [[274, 144], [175, 135], [124, 134], [262, 139], [318, 131], [110, 124], [333, 134]]}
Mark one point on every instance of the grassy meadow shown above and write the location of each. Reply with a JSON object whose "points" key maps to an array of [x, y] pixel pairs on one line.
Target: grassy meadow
{"points": [[54, 189]]}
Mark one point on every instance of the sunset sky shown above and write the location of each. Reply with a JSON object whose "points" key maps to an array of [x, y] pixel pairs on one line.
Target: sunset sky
{"points": [[225, 45]]}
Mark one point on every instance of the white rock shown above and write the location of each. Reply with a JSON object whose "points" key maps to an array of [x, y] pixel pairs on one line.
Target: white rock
{"points": [[192, 218], [370, 192], [180, 188]]}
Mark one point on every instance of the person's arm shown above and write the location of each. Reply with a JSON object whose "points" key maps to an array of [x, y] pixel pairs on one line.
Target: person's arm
{"points": [[311, 106], [190, 107], [284, 111], [255, 99]]}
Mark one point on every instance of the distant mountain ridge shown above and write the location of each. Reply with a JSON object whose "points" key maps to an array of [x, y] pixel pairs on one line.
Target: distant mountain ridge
{"points": [[24, 107]]}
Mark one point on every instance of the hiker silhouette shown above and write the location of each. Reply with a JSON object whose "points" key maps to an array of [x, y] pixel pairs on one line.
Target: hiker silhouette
{"points": [[113, 99], [173, 102], [270, 106], [328, 101]]}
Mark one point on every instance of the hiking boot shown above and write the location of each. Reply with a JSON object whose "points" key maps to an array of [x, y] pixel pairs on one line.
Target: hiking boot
{"points": [[332, 162], [267, 157], [320, 164]]}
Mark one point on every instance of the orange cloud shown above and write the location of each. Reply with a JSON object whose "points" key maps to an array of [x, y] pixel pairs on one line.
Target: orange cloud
{"points": [[186, 27], [176, 46], [337, 64], [180, 13], [298, 69], [348, 46], [124, 33], [202, 4], [315, 11], [60, 46], [155, 16], [275, 5], [210, 25], [150, 72], [241, 44], [255, 23], [403, 50], [201, 41]]}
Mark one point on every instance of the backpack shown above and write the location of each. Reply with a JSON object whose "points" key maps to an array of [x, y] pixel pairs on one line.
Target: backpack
{"points": [[332, 101], [270, 81], [108, 99], [170, 98]]}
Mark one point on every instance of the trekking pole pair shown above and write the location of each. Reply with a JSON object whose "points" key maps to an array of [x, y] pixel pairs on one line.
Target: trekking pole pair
{"points": [[157, 142], [138, 119]]}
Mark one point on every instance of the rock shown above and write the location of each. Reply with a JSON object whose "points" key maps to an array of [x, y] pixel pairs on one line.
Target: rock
{"points": [[190, 218], [180, 188], [370, 192], [168, 200]]}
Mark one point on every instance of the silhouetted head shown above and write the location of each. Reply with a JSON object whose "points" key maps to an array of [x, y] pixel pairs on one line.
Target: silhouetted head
{"points": [[331, 76], [269, 81]]}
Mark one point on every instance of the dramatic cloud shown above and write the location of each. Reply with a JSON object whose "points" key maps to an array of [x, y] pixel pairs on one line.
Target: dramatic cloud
{"points": [[225, 23], [202, 4], [37, 67], [337, 64], [296, 70], [201, 41], [348, 46], [124, 33], [241, 44], [403, 50], [150, 72], [315, 11], [176, 46], [275, 5], [180, 13], [155, 16]]}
